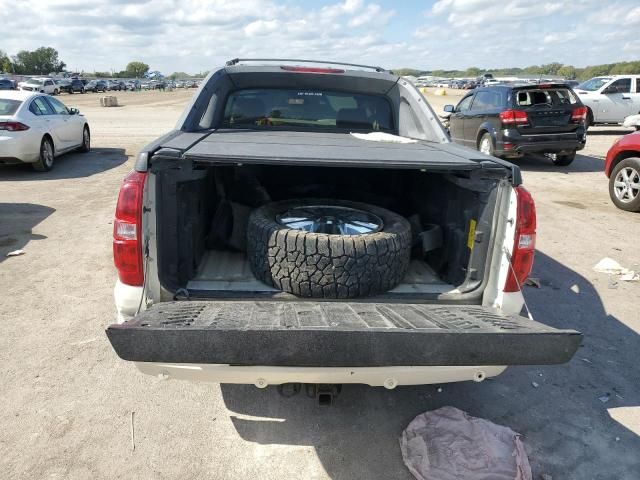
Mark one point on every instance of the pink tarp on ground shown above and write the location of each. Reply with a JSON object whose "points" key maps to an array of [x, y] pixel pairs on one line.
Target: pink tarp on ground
{"points": [[448, 444]]}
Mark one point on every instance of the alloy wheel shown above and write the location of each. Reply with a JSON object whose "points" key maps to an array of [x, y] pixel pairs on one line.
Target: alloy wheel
{"points": [[627, 184]]}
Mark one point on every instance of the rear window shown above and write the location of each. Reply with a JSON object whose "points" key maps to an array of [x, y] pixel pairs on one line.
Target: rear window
{"points": [[9, 107], [307, 109], [547, 96]]}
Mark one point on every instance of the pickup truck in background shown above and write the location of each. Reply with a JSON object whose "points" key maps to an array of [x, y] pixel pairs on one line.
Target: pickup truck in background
{"points": [[314, 224]]}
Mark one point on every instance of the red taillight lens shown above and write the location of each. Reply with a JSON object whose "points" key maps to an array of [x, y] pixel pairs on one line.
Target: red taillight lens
{"points": [[514, 117], [579, 115], [524, 242], [13, 126], [312, 69], [127, 226]]}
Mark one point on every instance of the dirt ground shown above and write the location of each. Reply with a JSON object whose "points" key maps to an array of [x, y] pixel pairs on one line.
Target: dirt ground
{"points": [[68, 403]]}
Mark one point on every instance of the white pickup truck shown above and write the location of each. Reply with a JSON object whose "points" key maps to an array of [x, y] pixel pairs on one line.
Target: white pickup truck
{"points": [[313, 224]]}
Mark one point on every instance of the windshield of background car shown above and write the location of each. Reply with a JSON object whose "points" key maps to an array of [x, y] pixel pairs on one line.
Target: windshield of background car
{"points": [[546, 96], [36, 81], [307, 109], [9, 107], [594, 84]]}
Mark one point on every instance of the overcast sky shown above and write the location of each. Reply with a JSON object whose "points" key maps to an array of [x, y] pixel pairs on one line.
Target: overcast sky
{"points": [[197, 35]]}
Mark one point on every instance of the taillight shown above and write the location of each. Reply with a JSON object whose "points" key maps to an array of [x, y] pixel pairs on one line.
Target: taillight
{"points": [[579, 115], [514, 117], [127, 230], [524, 242], [312, 69], [13, 126]]}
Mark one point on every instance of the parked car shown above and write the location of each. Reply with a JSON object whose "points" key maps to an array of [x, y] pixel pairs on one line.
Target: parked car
{"points": [[42, 85], [510, 120], [96, 86], [622, 166], [114, 85], [301, 260], [7, 84], [76, 86], [35, 128], [64, 85], [611, 98]]}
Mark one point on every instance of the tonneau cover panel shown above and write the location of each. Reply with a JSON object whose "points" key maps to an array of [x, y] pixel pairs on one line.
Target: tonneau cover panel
{"points": [[339, 149]]}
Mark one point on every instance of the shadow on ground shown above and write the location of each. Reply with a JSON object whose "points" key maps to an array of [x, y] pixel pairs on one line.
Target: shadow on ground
{"points": [[609, 130], [567, 429], [16, 223], [540, 163], [70, 165]]}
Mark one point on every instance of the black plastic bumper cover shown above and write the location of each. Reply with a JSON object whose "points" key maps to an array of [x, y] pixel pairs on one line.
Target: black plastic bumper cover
{"points": [[333, 334]]}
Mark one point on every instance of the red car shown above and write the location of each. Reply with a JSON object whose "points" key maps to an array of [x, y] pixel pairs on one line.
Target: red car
{"points": [[623, 169]]}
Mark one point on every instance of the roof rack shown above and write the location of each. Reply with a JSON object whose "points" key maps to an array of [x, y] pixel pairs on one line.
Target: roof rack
{"points": [[236, 61]]}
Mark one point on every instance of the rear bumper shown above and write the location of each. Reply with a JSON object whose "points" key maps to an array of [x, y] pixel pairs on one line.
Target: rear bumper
{"points": [[261, 376], [336, 334], [23, 149], [513, 143]]}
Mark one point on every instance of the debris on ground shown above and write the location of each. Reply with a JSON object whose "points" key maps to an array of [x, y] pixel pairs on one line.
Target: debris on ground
{"points": [[535, 384], [439, 390], [605, 398], [610, 266], [533, 282], [449, 444], [133, 434], [546, 476], [16, 253], [630, 277]]}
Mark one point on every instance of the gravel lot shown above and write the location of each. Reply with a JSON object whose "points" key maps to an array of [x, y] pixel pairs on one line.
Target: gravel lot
{"points": [[68, 400]]}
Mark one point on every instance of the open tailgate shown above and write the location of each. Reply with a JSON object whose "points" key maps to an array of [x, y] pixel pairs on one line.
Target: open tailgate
{"points": [[333, 334]]}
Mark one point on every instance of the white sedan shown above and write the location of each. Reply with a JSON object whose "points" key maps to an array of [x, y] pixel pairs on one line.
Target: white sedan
{"points": [[35, 128]]}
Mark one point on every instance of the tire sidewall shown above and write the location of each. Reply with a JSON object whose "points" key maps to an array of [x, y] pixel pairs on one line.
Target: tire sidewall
{"points": [[491, 148], [319, 265], [633, 206], [86, 146], [41, 165]]}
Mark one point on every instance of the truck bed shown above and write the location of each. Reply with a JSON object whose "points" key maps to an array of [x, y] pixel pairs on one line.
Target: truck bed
{"points": [[227, 271]]}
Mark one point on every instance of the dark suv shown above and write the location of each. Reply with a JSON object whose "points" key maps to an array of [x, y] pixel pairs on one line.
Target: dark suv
{"points": [[508, 121]]}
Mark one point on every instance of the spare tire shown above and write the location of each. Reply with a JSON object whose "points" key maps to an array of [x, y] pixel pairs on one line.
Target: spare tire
{"points": [[328, 248]]}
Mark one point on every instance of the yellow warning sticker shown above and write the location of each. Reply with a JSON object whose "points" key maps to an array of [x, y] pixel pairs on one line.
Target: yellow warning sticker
{"points": [[472, 234]]}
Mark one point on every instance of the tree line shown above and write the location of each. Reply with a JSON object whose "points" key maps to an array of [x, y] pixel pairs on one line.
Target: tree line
{"points": [[45, 60], [567, 71]]}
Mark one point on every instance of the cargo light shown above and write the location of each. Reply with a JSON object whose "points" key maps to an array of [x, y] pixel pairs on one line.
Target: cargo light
{"points": [[524, 242], [127, 228]]}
